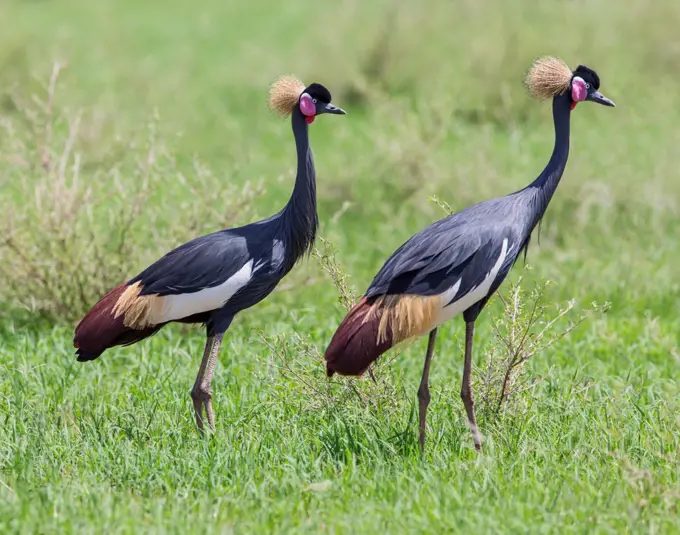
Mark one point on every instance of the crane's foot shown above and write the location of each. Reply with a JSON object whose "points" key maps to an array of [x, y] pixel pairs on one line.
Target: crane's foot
{"points": [[203, 400], [469, 402]]}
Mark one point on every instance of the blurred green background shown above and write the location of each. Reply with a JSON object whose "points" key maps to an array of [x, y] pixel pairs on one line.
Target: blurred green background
{"points": [[156, 129]]}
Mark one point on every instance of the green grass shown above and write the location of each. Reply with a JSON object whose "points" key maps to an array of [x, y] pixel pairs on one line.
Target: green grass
{"points": [[435, 107]]}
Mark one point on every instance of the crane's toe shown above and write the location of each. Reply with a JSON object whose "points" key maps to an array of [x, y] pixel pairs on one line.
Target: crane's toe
{"points": [[201, 398]]}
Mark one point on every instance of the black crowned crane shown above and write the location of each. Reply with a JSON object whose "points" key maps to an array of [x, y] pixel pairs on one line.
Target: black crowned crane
{"points": [[210, 279], [457, 263]]}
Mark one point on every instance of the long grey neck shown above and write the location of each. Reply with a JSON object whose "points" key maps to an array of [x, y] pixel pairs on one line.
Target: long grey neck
{"points": [[543, 188], [299, 217]]}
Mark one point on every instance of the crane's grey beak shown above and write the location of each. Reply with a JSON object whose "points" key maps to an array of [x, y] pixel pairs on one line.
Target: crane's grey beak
{"points": [[598, 97], [334, 110]]}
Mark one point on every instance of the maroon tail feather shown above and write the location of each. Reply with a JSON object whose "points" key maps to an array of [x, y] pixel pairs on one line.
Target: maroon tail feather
{"points": [[355, 343], [99, 330]]}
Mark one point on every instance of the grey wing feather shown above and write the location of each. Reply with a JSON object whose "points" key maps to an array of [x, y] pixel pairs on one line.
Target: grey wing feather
{"points": [[201, 263], [449, 250]]}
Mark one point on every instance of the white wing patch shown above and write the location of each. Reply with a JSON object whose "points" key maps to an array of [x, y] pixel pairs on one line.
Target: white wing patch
{"points": [[183, 305], [474, 295], [278, 254]]}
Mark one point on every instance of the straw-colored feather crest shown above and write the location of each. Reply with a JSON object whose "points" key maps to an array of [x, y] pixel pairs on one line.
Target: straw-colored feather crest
{"points": [[548, 77], [284, 94]]}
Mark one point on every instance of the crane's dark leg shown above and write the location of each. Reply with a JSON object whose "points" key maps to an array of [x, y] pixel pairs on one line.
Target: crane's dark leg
{"points": [[424, 388], [201, 392], [466, 389], [196, 394]]}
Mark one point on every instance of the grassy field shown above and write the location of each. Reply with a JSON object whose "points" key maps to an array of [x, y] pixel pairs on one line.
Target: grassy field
{"points": [[156, 129]]}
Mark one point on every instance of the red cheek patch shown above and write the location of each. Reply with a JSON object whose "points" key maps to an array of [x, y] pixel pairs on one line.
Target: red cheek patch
{"points": [[307, 106], [578, 91]]}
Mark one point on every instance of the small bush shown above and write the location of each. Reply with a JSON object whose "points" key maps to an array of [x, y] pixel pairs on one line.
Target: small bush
{"points": [[527, 325], [76, 221]]}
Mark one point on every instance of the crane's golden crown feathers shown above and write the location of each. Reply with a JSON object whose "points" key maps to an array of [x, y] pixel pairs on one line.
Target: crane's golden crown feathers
{"points": [[284, 94], [548, 77]]}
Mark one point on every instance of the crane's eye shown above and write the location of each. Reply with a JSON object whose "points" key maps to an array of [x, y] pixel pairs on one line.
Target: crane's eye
{"points": [[587, 85], [314, 100]]}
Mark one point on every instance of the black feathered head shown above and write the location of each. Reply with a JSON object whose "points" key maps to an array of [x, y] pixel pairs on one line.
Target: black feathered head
{"points": [[289, 94], [588, 75], [585, 85], [549, 77]]}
